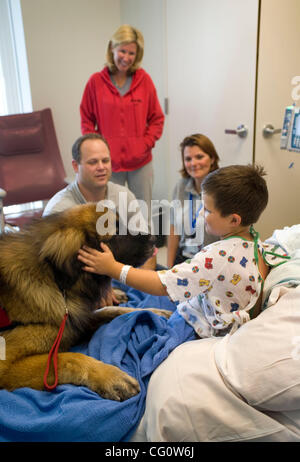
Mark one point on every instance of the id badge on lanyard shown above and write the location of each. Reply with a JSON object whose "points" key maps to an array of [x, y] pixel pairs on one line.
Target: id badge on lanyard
{"points": [[196, 222]]}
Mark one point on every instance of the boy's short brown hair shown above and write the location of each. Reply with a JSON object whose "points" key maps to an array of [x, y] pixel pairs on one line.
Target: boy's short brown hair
{"points": [[238, 189]]}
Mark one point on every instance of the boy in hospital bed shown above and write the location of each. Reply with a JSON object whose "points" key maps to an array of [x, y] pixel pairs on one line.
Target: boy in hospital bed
{"points": [[222, 284]]}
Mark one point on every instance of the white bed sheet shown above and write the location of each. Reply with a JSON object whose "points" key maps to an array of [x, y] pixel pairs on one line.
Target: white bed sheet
{"points": [[244, 387]]}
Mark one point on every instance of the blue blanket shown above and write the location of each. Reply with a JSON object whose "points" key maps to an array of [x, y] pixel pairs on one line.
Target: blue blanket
{"points": [[137, 343]]}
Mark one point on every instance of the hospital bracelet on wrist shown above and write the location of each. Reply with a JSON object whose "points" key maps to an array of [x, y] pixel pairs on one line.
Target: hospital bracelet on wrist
{"points": [[123, 274]]}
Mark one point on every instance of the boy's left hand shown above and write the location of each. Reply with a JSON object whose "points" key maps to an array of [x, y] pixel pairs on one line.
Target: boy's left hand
{"points": [[95, 261]]}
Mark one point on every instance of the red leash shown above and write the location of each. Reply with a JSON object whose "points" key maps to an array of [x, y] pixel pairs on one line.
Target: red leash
{"points": [[4, 319], [54, 353]]}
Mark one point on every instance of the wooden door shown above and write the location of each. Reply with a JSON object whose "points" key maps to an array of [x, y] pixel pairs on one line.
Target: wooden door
{"points": [[278, 64]]}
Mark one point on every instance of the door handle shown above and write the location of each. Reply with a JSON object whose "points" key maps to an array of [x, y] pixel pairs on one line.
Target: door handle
{"points": [[269, 130], [241, 131]]}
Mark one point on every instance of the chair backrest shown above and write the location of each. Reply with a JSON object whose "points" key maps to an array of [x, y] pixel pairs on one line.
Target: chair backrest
{"points": [[31, 168]]}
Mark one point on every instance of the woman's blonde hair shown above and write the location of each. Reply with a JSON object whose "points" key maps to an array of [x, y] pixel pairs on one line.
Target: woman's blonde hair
{"points": [[124, 35]]}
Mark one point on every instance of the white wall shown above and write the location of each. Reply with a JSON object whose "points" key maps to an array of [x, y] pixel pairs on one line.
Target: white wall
{"points": [[212, 70], [149, 17], [66, 42]]}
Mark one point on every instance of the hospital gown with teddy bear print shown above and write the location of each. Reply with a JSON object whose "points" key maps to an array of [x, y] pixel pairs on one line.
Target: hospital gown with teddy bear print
{"points": [[219, 286]]}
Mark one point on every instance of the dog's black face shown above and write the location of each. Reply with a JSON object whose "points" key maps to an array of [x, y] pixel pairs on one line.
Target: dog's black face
{"points": [[61, 236], [132, 250]]}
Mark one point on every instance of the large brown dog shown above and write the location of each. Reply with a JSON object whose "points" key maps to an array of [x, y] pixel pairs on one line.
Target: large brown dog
{"points": [[40, 276]]}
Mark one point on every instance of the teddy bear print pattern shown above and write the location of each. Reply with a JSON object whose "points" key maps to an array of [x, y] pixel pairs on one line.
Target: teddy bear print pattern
{"points": [[216, 289]]}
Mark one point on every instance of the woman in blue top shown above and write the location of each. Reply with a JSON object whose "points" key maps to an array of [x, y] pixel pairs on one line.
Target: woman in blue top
{"points": [[199, 157]]}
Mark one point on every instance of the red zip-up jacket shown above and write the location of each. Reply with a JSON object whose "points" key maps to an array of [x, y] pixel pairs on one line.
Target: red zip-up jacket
{"points": [[131, 124]]}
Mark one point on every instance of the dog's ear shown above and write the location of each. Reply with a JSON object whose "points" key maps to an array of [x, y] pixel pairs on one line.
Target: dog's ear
{"points": [[62, 245]]}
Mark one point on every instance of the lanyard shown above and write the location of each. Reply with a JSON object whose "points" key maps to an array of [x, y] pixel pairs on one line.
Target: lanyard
{"points": [[193, 219], [255, 236]]}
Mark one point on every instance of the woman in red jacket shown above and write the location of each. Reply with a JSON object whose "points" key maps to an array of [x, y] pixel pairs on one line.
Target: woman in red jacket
{"points": [[121, 104]]}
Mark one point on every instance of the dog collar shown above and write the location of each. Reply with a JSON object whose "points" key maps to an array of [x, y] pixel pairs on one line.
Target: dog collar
{"points": [[5, 322]]}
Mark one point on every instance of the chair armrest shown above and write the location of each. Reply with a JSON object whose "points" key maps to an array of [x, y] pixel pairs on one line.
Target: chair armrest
{"points": [[2, 224], [2, 193]]}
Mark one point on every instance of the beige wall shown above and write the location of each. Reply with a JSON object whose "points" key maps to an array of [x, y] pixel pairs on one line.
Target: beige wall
{"points": [[278, 63], [65, 43]]}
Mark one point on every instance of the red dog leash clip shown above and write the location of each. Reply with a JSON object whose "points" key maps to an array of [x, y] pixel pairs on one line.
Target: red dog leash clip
{"points": [[4, 319], [53, 353]]}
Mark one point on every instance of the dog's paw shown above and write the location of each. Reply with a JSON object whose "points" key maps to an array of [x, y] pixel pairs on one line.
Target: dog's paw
{"points": [[164, 313], [119, 295], [112, 383]]}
